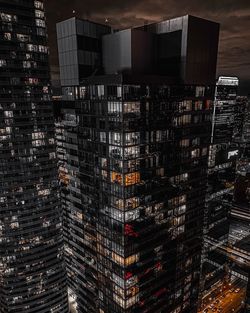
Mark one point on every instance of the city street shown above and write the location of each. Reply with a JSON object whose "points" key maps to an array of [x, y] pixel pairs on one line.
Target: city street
{"points": [[228, 301]]}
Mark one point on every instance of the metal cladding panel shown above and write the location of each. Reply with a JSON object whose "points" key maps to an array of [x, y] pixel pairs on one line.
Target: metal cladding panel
{"points": [[202, 49], [67, 49], [117, 52]]}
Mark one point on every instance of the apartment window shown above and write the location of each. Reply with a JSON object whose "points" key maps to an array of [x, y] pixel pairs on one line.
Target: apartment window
{"points": [[43, 49], [182, 120], [7, 17], [132, 215], [114, 107], [23, 38], [40, 23], [132, 178], [131, 107], [180, 210], [103, 137], [208, 104], [26, 64], [184, 143], [115, 138], [39, 14], [3, 63], [31, 47], [115, 152], [38, 5], [195, 153], [116, 178], [200, 91], [179, 220], [132, 152], [187, 105], [198, 105], [7, 36], [100, 91]]}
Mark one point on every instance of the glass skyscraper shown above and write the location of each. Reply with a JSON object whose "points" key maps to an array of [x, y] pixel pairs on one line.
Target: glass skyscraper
{"points": [[133, 149], [32, 275]]}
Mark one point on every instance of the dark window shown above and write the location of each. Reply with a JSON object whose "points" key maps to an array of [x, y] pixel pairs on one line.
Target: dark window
{"points": [[88, 44]]}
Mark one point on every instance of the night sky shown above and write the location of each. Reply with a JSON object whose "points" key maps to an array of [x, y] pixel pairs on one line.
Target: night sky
{"points": [[233, 15]]}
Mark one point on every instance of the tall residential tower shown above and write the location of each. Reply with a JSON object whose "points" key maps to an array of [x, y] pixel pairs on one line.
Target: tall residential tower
{"points": [[142, 125], [32, 277]]}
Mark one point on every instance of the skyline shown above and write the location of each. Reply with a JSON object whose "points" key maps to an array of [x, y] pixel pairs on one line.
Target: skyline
{"points": [[233, 18]]}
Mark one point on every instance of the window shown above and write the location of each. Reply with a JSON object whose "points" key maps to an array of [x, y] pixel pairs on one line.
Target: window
{"points": [[131, 107], [132, 152], [114, 107], [43, 49], [195, 153], [184, 143], [7, 36], [23, 38], [39, 14], [182, 120], [3, 63], [40, 23], [200, 91], [103, 137], [115, 138], [38, 5], [100, 91], [31, 47], [198, 105], [132, 215], [8, 18], [132, 138]]}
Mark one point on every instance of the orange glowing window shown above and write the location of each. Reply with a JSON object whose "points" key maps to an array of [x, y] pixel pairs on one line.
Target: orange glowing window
{"points": [[132, 178], [116, 178]]}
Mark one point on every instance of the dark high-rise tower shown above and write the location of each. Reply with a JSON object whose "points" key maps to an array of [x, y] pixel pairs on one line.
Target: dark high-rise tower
{"points": [[223, 154], [32, 275], [139, 135]]}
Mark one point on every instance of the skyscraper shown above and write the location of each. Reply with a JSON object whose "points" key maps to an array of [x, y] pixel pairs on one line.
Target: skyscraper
{"points": [[32, 277], [223, 154], [143, 133]]}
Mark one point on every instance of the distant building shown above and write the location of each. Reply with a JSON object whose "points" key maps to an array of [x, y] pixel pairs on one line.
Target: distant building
{"points": [[223, 154]]}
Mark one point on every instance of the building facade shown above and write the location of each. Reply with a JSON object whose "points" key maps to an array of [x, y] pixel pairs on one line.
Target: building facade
{"points": [[143, 137], [223, 154], [32, 275]]}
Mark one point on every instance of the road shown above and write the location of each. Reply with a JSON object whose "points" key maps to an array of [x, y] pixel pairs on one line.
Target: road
{"points": [[226, 302]]}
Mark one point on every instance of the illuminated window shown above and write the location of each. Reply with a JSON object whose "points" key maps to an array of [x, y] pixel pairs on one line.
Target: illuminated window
{"points": [[39, 14], [131, 107], [43, 49], [31, 47], [184, 143], [132, 178], [198, 105], [200, 91], [114, 107], [116, 178], [38, 5], [8, 18], [22, 37], [7, 36], [195, 153], [3, 63], [40, 23], [102, 137], [132, 215]]}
